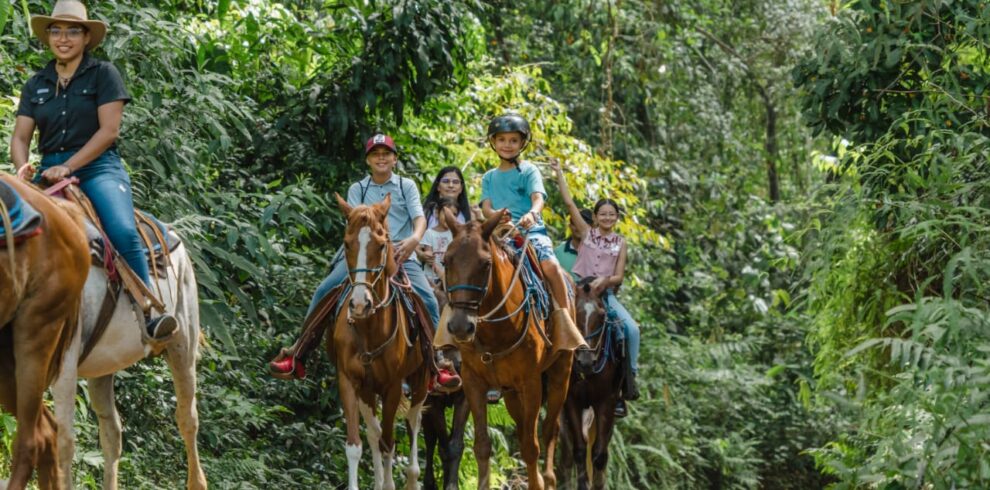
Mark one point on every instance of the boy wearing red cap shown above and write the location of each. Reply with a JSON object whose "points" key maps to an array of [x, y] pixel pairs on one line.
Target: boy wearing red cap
{"points": [[406, 224]]}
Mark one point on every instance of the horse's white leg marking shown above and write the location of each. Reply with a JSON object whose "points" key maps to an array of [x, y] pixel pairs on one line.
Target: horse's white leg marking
{"points": [[353, 457], [374, 429], [414, 416], [64, 393]]}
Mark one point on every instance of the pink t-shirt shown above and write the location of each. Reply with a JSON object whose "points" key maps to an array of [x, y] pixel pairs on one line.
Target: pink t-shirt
{"points": [[599, 254]]}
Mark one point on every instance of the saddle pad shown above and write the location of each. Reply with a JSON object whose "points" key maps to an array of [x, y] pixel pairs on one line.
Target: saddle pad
{"points": [[25, 220]]}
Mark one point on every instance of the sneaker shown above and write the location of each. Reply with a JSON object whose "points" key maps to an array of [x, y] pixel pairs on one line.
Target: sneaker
{"points": [[161, 327], [493, 396], [620, 409], [288, 368], [448, 381]]}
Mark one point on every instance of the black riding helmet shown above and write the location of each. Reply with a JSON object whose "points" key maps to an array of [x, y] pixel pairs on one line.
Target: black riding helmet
{"points": [[510, 123]]}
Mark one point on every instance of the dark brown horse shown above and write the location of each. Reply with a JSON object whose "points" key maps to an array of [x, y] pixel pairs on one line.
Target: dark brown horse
{"points": [[595, 382], [450, 443], [372, 348], [41, 283], [503, 345]]}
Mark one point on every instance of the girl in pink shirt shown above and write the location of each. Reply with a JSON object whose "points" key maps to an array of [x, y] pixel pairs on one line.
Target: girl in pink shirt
{"points": [[602, 255]]}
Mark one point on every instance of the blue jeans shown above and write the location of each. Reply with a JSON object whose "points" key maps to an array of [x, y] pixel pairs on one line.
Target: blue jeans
{"points": [[420, 284], [108, 187], [630, 330]]}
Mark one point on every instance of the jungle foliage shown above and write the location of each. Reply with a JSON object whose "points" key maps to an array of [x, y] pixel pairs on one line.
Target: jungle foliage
{"points": [[805, 186]]}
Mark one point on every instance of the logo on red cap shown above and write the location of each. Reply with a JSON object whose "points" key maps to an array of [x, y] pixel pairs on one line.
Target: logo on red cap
{"points": [[379, 140]]}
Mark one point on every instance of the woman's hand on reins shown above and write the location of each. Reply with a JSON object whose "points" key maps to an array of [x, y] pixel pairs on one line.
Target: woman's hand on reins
{"points": [[56, 173]]}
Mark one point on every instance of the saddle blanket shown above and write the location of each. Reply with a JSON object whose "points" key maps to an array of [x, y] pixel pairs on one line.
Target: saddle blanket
{"points": [[25, 220]]}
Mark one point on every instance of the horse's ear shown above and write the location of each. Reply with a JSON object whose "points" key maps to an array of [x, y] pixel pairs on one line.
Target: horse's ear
{"points": [[382, 207], [451, 221], [346, 208], [491, 223]]}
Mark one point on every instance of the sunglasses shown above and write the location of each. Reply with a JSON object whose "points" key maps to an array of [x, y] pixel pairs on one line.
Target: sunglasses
{"points": [[71, 32], [450, 181]]}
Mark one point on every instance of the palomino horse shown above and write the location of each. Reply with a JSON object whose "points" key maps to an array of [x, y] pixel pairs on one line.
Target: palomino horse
{"points": [[595, 383], [122, 344], [40, 291], [503, 346], [372, 348]]}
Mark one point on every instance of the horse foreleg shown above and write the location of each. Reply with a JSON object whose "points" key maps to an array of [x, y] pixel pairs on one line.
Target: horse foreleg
{"points": [[349, 403], [182, 361], [102, 399], [412, 473], [374, 433], [575, 449], [434, 431], [558, 377], [524, 406], [604, 426], [455, 446], [390, 405], [474, 391], [64, 393]]}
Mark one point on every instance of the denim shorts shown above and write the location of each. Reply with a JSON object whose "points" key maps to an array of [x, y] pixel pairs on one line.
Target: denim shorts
{"points": [[543, 246]]}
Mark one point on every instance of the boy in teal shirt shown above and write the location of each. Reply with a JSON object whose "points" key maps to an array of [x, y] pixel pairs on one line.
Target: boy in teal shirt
{"points": [[517, 185]]}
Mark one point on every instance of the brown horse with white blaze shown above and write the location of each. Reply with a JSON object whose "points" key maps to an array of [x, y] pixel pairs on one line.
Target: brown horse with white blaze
{"points": [[595, 382], [503, 345], [372, 348], [41, 283]]}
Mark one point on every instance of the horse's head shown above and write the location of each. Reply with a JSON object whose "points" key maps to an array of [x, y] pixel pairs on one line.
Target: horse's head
{"points": [[368, 253], [468, 272], [591, 321]]}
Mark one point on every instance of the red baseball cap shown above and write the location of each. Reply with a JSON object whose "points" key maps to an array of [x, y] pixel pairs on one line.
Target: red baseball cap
{"points": [[379, 140]]}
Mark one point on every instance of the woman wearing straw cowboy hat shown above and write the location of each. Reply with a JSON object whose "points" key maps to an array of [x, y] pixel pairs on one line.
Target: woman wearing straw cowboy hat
{"points": [[77, 102]]}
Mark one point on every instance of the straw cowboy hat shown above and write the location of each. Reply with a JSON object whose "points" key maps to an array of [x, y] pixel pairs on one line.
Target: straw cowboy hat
{"points": [[69, 11]]}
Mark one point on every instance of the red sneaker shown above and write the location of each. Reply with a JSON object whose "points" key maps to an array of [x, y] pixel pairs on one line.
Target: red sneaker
{"points": [[448, 381], [288, 368]]}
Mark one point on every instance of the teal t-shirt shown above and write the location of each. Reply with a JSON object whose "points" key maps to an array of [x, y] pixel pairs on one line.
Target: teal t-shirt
{"points": [[512, 189], [566, 255]]}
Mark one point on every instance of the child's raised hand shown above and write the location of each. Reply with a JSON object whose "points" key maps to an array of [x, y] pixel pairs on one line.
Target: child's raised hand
{"points": [[555, 165]]}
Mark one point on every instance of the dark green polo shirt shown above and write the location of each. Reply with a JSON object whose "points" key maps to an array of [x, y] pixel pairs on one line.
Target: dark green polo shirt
{"points": [[68, 119]]}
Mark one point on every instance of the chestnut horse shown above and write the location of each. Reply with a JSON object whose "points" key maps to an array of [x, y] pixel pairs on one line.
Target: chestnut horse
{"points": [[372, 348], [510, 352], [595, 382], [40, 293]]}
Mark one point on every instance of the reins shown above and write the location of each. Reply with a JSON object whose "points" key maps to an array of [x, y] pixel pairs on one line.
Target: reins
{"points": [[488, 357]]}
